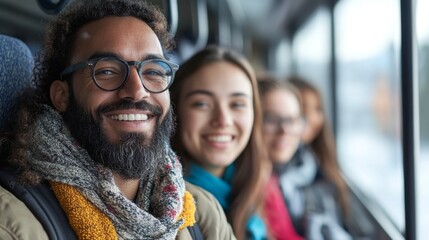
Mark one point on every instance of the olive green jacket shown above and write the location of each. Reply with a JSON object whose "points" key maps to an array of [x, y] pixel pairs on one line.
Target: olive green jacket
{"points": [[18, 223]]}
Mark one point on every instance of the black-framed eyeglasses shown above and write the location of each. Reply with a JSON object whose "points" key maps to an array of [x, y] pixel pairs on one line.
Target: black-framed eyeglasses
{"points": [[111, 73], [294, 125]]}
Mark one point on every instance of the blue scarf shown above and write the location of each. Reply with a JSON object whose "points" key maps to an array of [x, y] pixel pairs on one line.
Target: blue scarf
{"points": [[220, 188]]}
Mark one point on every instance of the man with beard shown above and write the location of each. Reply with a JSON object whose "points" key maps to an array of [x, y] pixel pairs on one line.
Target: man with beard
{"points": [[96, 130]]}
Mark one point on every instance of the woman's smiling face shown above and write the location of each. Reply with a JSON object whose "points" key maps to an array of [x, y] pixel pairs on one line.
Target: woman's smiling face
{"points": [[216, 115]]}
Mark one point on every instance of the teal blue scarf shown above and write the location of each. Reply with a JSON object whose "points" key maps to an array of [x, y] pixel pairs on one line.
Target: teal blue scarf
{"points": [[221, 189]]}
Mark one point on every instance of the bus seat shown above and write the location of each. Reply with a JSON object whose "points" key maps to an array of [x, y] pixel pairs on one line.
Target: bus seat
{"points": [[16, 66]]}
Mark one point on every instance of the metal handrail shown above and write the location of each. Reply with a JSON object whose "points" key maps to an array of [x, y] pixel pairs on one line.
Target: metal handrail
{"points": [[173, 16], [409, 115], [201, 20]]}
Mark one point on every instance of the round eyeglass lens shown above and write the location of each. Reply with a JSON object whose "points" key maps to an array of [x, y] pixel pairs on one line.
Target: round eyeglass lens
{"points": [[109, 74], [156, 74]]}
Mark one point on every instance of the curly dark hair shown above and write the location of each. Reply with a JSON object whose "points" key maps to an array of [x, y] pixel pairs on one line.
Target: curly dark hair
{"points": [[56, 55], [61, 34]]}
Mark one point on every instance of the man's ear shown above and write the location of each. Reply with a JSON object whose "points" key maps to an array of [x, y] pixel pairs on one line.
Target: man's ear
{"points": [[59, 93]]}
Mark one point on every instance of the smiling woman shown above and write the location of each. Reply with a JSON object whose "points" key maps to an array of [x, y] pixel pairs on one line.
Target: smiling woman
{"points": [[217, 106]]}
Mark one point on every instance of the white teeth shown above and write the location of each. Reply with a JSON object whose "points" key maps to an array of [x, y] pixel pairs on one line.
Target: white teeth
{"points": [[220, 138], [129, 117]]}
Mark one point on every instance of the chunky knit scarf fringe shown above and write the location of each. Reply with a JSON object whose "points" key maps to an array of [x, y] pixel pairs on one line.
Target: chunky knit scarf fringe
{"points": [[88, 194]]}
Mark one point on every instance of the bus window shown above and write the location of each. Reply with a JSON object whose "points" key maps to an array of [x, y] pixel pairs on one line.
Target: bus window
{"points": [[312, 54], [279, 57], [422, 163], [368, 99]]}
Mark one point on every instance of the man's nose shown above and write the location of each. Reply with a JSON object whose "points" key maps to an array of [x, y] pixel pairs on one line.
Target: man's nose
{"points": [[133, 88]]}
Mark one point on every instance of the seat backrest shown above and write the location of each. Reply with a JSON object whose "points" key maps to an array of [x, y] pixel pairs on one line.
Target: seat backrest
{"points": [[16, 67]]}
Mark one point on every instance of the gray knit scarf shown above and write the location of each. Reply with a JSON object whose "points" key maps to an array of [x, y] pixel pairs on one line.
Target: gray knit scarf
{"points": [[54, 154]]}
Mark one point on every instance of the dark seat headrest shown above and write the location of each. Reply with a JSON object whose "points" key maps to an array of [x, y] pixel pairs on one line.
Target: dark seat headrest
{"points": [[16, 67]]}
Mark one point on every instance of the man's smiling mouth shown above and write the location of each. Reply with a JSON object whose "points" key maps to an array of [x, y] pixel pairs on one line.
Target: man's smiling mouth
{"points": [[129, 117]]}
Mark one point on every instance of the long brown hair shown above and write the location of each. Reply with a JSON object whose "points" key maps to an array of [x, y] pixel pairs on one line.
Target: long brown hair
{"points": [[323, 145], [252, 166]]}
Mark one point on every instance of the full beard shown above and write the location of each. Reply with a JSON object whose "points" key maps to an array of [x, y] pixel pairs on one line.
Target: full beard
{"points": [[135, 155]]}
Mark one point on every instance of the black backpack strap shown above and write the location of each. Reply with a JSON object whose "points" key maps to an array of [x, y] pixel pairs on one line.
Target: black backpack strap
{"points": [[195, 232], [42, 203]]}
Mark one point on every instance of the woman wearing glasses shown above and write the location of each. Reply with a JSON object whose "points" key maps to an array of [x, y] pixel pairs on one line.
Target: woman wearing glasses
{"points": [[283, 124], [216, 102], [311, 185]]}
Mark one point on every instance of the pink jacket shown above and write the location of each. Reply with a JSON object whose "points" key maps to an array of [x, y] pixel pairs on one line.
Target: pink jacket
{"points": [[277, 216]]}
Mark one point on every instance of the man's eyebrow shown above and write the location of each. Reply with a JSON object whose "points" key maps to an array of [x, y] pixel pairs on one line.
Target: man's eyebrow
{"points": [[153, 56], [115, 55], [205, 92], [103, 55]]}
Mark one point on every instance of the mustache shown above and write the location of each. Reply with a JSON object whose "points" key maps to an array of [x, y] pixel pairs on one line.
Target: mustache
{"points": [[126, 104]]}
